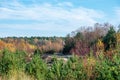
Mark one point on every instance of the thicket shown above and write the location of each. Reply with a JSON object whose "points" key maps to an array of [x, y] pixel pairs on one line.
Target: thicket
{"points": [[101, 37], [13, 66]]}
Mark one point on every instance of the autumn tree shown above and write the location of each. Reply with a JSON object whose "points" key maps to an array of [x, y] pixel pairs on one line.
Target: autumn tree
{"points": [[100, 45], [118, 38], [10, 47], [2, 45], [51, 46], [82, 41]]}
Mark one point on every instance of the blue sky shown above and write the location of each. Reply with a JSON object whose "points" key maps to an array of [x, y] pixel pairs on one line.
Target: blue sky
{"points": [[54, 17]]}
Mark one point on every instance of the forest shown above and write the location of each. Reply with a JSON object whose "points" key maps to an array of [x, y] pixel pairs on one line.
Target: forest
{"points": [[88, 53]]}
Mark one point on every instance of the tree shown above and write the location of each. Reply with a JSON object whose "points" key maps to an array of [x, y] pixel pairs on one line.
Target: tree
{"points": [[2, 45], [37, 68], [110, 39], [100, 45], [69, 44]]}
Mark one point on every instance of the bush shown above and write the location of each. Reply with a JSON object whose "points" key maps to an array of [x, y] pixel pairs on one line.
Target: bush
{"points": [[13, 66], [38, 52], [37, 68], [11, 61], [69, 44], [107, 69], [71, 70]]}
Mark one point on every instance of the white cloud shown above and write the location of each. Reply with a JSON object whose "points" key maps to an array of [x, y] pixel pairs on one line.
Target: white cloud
{"points": [[69, 4], [63, 16], [47, 11]]}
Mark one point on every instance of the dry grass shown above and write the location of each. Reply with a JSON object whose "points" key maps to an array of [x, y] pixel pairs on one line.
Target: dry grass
{"points": [[17, 75]]}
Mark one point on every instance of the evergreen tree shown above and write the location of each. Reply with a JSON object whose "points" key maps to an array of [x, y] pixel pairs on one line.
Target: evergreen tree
{"points": [[110, 39]]}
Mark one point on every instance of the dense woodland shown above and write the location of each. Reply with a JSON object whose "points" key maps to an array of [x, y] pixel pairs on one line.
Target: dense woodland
{"points": [[95, 54], [30, 44]]}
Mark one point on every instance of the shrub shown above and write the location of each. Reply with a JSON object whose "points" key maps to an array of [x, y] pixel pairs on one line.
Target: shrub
{"points": [[11, 61], [72, 70], [108, 69], [38, 52], [13, 66], [37, 68], [69, 44]]}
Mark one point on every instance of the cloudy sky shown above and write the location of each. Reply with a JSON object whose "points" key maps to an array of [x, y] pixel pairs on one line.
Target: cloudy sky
{"points": [[54, 17]]}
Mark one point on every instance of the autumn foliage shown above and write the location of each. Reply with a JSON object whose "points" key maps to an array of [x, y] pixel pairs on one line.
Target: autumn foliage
{"points": [[96, 56], [97, 39], [29, 45]]}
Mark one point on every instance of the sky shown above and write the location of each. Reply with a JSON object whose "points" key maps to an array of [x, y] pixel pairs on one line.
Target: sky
{"points": [[54, 17]]}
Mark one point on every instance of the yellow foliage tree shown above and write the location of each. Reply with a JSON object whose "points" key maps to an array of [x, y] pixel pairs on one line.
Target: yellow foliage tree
{"points": [[100, 45], [118, 38], [10, 47]]}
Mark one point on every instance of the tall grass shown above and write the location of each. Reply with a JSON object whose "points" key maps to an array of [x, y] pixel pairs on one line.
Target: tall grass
{"points": [[17, 75]]}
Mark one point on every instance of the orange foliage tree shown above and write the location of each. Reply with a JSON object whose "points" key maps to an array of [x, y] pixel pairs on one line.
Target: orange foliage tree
{"points": [[10, 47], [2, 45]]}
